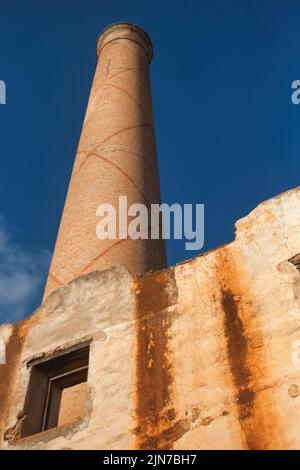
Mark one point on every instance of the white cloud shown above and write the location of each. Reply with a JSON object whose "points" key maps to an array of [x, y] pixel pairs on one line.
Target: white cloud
{"points": [[22, 275]]}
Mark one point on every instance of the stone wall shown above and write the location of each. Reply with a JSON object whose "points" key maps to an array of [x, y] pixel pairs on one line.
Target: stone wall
{"points": [[199, 356]]}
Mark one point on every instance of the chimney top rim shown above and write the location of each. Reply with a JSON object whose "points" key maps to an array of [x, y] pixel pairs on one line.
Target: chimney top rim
{"points": [[148, 47]]}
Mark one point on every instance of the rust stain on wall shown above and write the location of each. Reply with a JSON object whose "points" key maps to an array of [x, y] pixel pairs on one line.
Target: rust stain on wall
{"points": [[156, 426], [9, 372], [255, 410], [237, 350]]}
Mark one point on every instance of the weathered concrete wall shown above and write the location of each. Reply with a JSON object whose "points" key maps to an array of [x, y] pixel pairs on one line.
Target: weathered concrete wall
{"points": [[97, 306], [199, 356]]}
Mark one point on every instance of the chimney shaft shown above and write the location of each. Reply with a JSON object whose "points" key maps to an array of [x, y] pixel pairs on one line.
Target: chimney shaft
{"points": [[116, 157]]}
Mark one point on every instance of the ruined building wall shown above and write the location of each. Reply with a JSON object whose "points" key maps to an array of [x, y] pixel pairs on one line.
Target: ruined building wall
{"points": [[198, 356]]}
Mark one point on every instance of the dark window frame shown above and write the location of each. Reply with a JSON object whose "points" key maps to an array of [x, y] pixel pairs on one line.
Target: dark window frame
{"points": [[48, 378]]}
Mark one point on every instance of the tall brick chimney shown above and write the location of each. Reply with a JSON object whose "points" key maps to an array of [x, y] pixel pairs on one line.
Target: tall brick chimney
{"points": [[116, 156]]}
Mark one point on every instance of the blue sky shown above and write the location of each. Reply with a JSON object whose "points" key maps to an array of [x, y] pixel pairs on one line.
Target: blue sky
{"points": [[227, 132]]}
